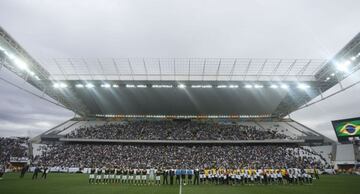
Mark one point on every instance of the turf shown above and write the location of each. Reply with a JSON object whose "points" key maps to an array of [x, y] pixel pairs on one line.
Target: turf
{"points": [[77, 184]]}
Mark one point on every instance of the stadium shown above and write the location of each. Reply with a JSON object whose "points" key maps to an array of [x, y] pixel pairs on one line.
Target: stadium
{"points": [[176, 124]]}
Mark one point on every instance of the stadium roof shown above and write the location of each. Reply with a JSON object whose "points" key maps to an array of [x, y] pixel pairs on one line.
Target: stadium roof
{"points": [[183, 69], [195, 86]]}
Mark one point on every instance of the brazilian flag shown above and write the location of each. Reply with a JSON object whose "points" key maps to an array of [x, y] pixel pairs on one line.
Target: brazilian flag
{"points": [[348, 128]]}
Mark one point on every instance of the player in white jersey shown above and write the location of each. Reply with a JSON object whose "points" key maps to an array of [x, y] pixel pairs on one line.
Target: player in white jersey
{"points": [[272, 177], [237, 176], [279, 177], [289, 175], [296, 176], [151, 175], [252, 176], [257, 173], [210, 177], [261, 174], [233, 178], [246, 176], [202, 176]]}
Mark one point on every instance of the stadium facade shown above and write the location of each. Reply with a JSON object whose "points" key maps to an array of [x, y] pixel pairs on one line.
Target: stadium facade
{"points": [[253, 92]]}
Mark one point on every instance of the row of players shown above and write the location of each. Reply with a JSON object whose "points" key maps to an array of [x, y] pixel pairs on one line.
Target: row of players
{"points": [[203, 176]]}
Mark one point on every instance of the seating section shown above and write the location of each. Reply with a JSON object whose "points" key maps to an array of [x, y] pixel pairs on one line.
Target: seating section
{"points": [[13, 147], [175, 130], [176, 156]]}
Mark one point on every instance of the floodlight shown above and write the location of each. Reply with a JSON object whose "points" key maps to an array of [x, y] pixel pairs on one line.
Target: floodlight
{"points": [[162, 86], [21, 64], [258, 86], [303, 86], [248, 86], [181, 86], [222, 86], [130, 86], [141, 86], [31, 73], [344, 67], [233, 86], [79, 85], [89, 85], [105, 85], [274, 86], [115, 86], [11, 56], [59, 85], [284, 86]]}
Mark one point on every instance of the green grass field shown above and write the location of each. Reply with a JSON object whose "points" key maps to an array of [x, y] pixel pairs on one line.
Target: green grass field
{"points": [[77, 184]]}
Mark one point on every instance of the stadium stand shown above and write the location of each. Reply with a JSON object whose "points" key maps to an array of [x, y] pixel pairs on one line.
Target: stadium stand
{"points": [[164, 143], [72, 152], [175, 156], [325, 152], [13, 147], [174, 130], [345, 154]]}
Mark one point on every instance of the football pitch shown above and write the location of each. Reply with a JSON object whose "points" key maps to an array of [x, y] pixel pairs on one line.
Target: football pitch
{"points": [[77, 184]]}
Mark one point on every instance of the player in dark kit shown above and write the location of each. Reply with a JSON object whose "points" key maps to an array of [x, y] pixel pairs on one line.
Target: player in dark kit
{"points": [[177, 177], [106, 176], [165, 177], [118, 175], [24, 170], [2, 171], [112, 175], [125, 177], [98, 176], [44, 174], [36, 172], [92, 176], [183, 175], [190, 175], [157, 178], [172, 174], [143, 177], [131, 176], [196, 176], [138, 177]]}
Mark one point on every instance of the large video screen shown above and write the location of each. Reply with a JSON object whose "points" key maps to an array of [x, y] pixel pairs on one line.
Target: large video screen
{"points": [[347, 128]]}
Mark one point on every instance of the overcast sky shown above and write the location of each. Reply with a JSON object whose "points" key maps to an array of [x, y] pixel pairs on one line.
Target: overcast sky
{"points": [[174, 28]]}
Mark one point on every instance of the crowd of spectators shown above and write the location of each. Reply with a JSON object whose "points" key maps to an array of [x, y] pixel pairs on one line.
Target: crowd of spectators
{"points": [[176, 156], [174, 130], [12, 147]]}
